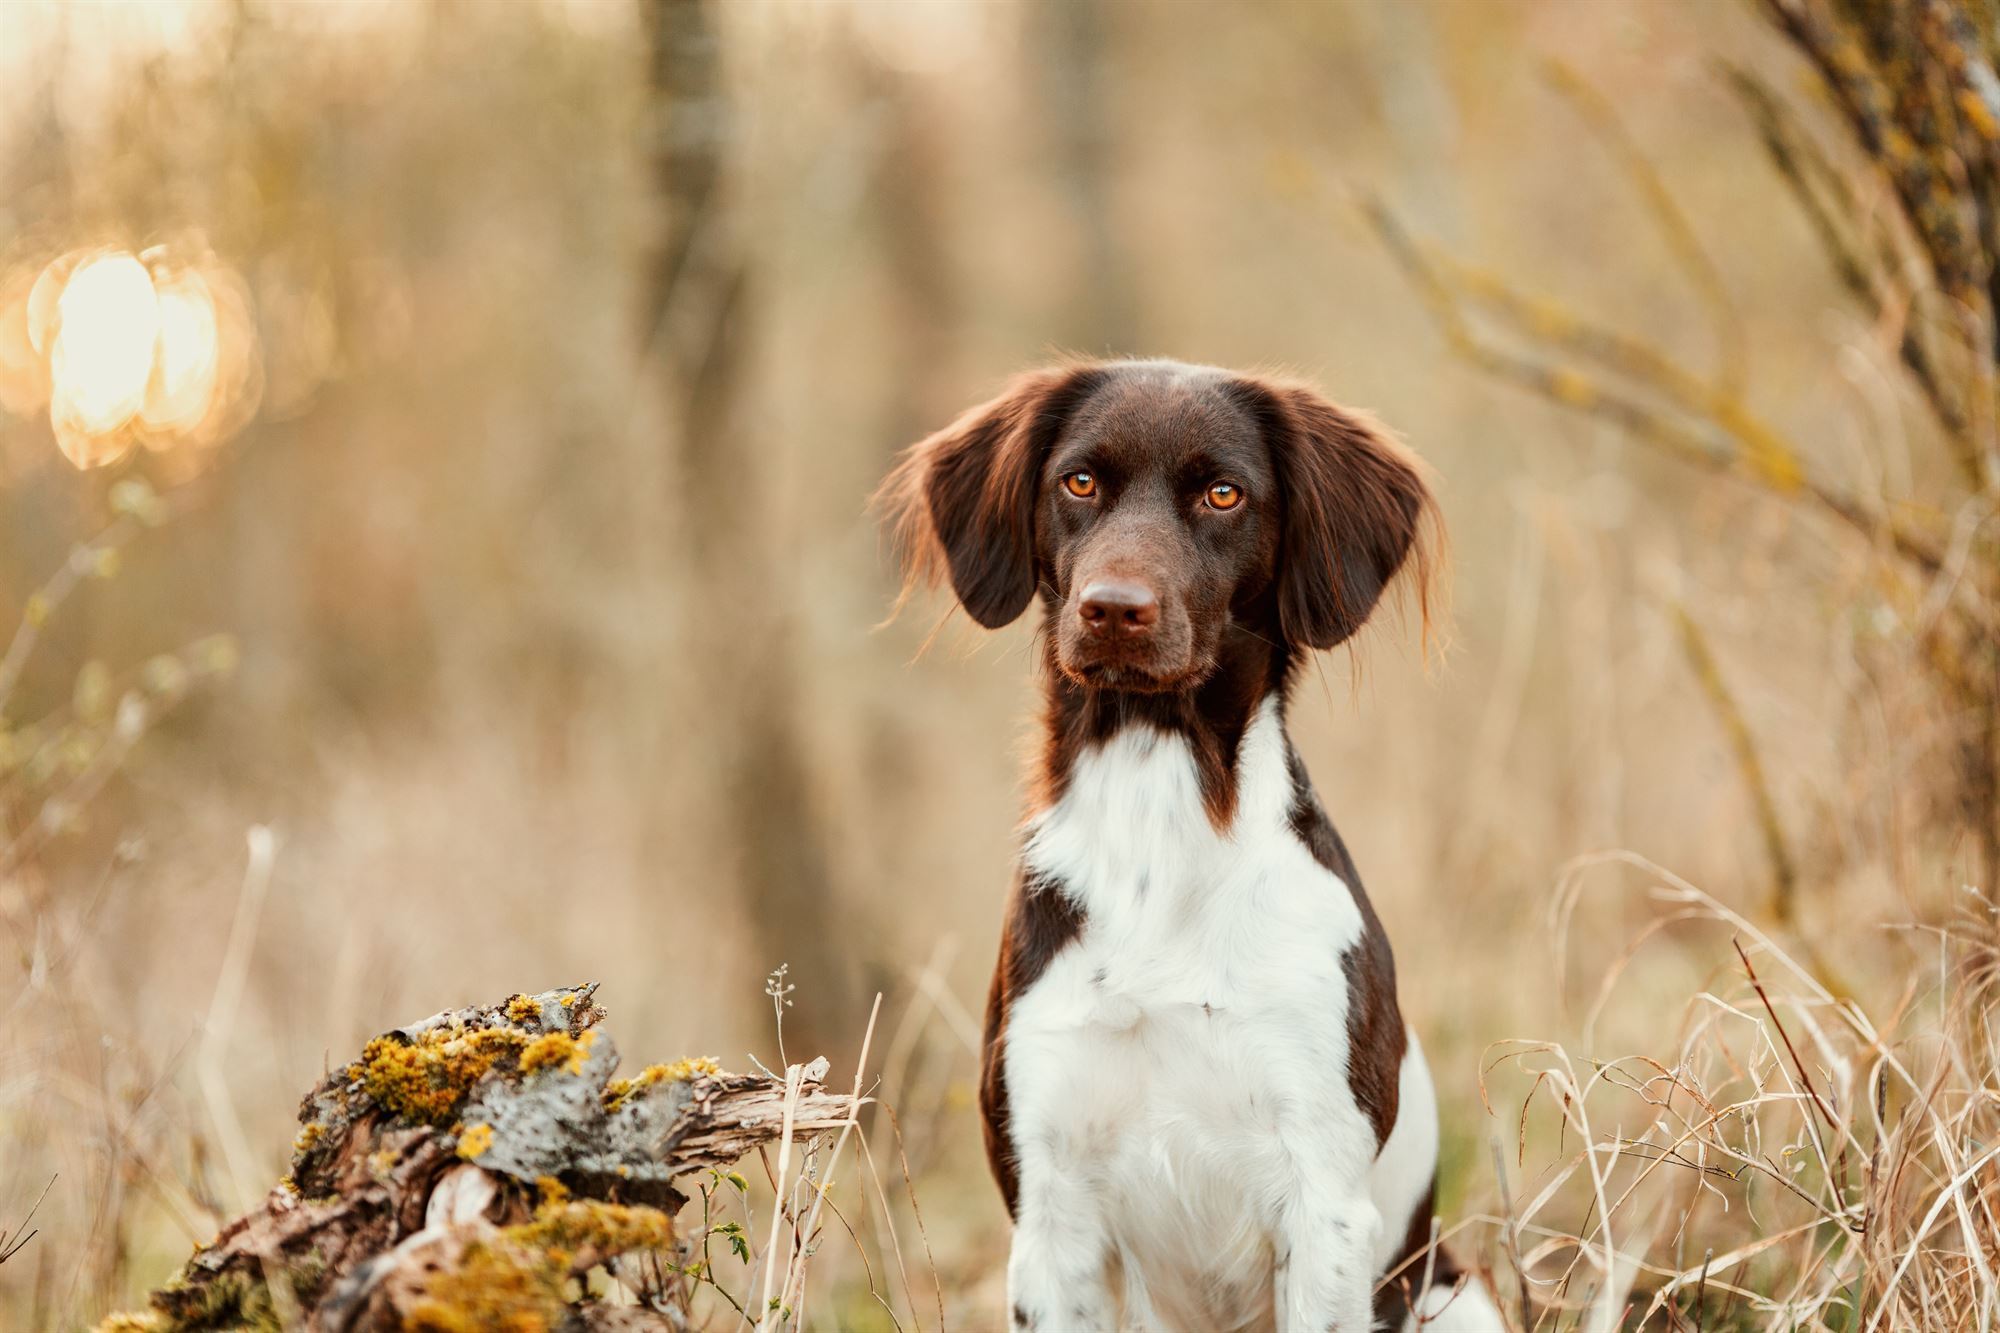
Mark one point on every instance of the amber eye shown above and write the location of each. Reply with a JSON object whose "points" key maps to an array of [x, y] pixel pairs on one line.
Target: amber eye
{"points": [[1224, 495], [1080, 484]]}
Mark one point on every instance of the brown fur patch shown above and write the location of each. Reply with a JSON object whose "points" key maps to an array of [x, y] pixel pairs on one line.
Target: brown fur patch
{"points": [[1041, 922], [1376, 1039], [1407, 1269]]}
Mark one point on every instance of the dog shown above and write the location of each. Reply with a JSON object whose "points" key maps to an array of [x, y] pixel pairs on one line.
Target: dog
{"points": [[1201, 1103]]}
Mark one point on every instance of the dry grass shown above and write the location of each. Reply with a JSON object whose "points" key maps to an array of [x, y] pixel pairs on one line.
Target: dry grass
{"points": [[1792, 1158]]}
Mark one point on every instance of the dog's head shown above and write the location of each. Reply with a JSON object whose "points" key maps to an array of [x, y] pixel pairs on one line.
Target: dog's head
{"points": [[1159, 507]]}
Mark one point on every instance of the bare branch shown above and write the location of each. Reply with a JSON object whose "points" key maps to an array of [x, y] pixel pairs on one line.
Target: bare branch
{"points": [[1732, 358], [1728, 437]]}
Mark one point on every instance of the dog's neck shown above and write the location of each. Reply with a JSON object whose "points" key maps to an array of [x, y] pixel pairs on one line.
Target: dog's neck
{"points": [[1212, 716]]}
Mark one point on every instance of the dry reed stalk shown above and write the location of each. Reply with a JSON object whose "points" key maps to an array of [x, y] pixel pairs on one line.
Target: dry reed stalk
{"points": [[1849, 1144]]}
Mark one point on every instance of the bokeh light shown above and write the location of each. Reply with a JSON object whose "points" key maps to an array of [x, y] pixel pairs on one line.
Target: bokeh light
{"points": [[149, 349], [106, 341]]}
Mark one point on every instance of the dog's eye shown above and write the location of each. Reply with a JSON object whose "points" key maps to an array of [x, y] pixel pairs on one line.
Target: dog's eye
{"points": [[1224, 495], [1080, 484]]}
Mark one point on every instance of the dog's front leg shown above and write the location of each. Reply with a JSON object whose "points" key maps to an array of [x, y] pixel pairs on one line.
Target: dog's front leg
{"points": [[1326, 1259], [1057, 1275]]}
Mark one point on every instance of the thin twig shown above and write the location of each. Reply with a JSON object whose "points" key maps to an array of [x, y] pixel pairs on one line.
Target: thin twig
{"points": [[1790, 1050], [795, 1284], [794, 1075], [211, 1060], [1784, 878], [1602, 117], [11, 1246]]}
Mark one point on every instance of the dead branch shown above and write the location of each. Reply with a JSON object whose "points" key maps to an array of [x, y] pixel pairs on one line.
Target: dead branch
{"points": [[471, 1169], [1707, 427], [1784, 876]]}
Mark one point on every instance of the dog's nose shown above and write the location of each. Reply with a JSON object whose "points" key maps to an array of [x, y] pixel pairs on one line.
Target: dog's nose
{"points": [[1110, 605]]}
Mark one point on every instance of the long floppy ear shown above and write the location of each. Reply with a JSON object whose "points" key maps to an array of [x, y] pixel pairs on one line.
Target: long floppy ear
{"points": [[1357, 512], [962, 502]]}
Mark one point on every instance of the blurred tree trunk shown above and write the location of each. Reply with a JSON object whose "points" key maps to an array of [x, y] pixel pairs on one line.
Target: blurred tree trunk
{"points": [[695, 320], [910, 213], [1068, 47]]}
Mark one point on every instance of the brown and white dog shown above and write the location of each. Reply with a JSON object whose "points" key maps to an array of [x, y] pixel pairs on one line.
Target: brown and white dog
{"points": [[1201, 1103]]}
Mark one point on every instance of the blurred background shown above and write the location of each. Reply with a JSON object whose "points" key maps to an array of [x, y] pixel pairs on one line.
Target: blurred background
{"points": [[504, 383]]}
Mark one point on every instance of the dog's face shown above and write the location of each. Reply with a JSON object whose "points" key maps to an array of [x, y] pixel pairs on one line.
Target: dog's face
{"points": [[1156, 529], [1158, 508]]}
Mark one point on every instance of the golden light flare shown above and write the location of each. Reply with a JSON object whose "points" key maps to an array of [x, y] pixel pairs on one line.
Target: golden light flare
{"points": [[148, 349]]}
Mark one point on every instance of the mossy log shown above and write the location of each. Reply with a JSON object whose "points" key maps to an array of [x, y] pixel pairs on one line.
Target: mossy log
{"points": [[469, 1171]]}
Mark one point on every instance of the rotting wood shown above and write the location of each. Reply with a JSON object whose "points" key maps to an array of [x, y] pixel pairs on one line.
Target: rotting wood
{"points": [[469, 1170]]}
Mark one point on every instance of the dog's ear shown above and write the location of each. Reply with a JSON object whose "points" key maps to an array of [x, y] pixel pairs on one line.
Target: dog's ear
{"points": [[1357, 512], [962, 502]]}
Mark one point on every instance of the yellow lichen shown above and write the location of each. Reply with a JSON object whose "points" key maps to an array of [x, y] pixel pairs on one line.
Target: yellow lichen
{"points": [[557, 1050], [1978, 113], [595, 1230], [515, 1282], [428, 1079], [308, 1136], [523, 1009], [619, 1090], [476, 1140], [496, 1288], [680, 1071], [144, 1321]]}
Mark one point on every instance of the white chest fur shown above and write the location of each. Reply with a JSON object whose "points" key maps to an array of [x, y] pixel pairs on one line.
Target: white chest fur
{"points": [[1181, 1068]]}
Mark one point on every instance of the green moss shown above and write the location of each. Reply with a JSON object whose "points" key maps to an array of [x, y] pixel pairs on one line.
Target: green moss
{"points": [[231, 1301]]}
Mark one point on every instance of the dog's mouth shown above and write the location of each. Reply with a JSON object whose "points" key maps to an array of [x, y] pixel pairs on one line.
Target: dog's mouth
{"points": [[1132, 675]]}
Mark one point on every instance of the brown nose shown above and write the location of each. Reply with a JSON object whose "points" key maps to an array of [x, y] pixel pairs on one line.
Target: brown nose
{"points": [[1111, 605]]}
